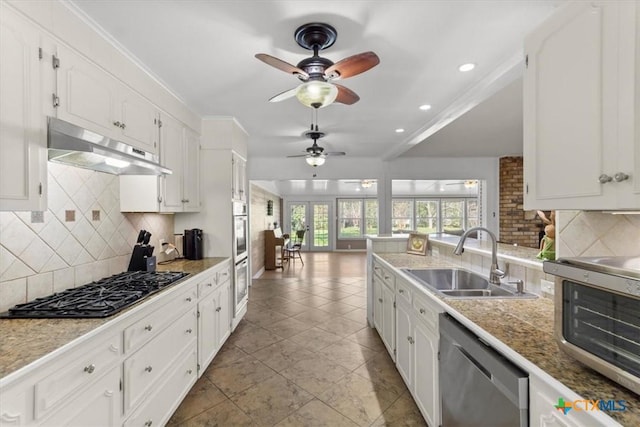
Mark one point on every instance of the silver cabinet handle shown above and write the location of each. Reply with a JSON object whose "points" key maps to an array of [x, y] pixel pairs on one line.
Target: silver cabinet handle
{"points": [[401, 291], [188, 299], [423, 311], [117, 124], [189, 330], [604, 178], [379, 299], [219, 308], [148, 328], [189, 371], [620, 176], [386, 277], [209, 284], [148, 423], [149, 368], [411, 341], [89, 369], [123, 126]]}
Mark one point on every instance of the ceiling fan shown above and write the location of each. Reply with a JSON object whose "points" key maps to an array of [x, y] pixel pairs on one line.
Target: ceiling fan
{"points": [[315, 155], [469, 183], [318, 73]]}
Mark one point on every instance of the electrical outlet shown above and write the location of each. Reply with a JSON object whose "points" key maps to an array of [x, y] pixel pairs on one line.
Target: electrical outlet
{"points": [[546, 286]]}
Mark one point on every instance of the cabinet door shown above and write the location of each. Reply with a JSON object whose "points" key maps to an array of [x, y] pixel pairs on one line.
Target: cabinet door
{"points": [[239, 176], [171, 135], [207, 331], [223, 311], [571, 108], [98, 405], [405, 343], [139, 121], [191, 171], [389, 320], [425, 380], [377, 304], [87, 95], [22, 124]]}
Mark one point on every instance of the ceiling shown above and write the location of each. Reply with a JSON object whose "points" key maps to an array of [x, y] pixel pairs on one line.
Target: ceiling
{"points": [[204, 52]]}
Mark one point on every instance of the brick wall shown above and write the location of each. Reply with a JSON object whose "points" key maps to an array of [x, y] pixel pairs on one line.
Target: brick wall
{"points": [[516, 225]]}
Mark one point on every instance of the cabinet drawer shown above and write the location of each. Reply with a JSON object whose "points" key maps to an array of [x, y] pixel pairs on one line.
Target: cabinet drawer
{"points": [[224, 274], [207, 285], [159, 407], [383, 273], [84, 365], [403, 291], [426, 310], [148, 327], [150, 364]]}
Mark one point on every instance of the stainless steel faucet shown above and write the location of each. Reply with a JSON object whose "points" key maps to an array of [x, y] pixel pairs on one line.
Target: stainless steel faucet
{"points": [[495, 274]]}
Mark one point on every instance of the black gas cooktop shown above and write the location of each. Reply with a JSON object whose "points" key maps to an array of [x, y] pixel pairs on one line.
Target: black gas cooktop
{"points": [[101, 298]]}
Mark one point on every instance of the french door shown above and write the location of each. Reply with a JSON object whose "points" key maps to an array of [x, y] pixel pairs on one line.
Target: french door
{"points": [[315, 219]]}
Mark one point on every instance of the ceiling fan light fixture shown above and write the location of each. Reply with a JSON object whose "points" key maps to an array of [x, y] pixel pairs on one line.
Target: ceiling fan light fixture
{"points": [[366, 183], [315, 160], [316, 94]]}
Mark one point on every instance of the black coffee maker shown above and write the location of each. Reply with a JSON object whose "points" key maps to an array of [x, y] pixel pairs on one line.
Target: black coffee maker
{"points": [[192, 244]]}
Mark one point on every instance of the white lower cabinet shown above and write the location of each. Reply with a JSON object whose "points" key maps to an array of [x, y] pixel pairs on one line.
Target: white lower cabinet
{"points": [[405, 343], [543, 399], [214, 320], [97, 405], [165, 398], [136, 370], [425, 373], [155, 360]]}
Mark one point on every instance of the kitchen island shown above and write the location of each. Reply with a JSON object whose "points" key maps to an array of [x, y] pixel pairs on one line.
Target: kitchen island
{"points": [[520, 329], [61, 371]]}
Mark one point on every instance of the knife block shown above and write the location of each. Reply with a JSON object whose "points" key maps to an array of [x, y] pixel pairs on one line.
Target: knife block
{"points": [[138, 260]]}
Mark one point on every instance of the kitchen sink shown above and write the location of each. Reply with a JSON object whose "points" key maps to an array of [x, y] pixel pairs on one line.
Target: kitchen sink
{"points": [[460, 283]]}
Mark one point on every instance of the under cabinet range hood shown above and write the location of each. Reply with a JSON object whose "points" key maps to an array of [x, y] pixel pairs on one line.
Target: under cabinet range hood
{"points": [[72, 145]]}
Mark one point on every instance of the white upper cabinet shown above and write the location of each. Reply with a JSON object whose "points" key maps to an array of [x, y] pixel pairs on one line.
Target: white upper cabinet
{"points": [[91, 98], [23, 157], [177, 192], [581, 109], [239, 181]]}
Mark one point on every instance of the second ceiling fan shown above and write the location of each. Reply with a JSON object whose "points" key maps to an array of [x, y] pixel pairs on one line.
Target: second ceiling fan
{"points": [[318, 73], [315, 155]]}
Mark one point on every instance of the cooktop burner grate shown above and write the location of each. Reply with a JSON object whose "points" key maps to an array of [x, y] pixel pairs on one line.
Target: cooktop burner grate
{"points": [[102, 298]]}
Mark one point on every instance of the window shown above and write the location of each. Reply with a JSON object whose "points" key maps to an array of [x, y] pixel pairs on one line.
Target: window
{"points": [[452, 216], [427, 216], [371, 216], [446, 215], [357, 217], [402, 216]]}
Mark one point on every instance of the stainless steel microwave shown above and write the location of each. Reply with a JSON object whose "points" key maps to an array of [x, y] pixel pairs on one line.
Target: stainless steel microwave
{"points": [[597, 314]]}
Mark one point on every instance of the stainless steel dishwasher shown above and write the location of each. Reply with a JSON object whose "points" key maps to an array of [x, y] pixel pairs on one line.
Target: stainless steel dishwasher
{"points": [[478, 386]]}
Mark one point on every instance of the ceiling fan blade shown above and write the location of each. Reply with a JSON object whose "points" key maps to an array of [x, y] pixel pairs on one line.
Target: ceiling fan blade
{"points": [[335, 153], [284, 95], [352, 65], [299, 155], [281, 65], [346, 96]]}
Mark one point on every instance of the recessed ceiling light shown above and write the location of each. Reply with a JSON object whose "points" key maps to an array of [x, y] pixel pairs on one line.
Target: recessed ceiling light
{"points": [[466, 67], [399, 130], [425, 107]]}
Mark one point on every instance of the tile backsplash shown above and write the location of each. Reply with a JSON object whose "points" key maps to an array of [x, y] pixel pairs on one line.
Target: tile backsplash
{"points": [[586, 233], [82, 236]]}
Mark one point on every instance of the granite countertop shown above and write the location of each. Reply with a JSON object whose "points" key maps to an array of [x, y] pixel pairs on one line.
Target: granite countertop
{"points": [[23, 341], [526, 326]]}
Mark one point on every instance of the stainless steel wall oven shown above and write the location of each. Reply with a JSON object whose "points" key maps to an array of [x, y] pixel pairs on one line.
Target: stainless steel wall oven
{"points": [[597, 314]]}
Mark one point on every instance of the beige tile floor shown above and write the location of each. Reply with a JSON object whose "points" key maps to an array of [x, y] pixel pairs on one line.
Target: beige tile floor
{"points": [[303, 356]]}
